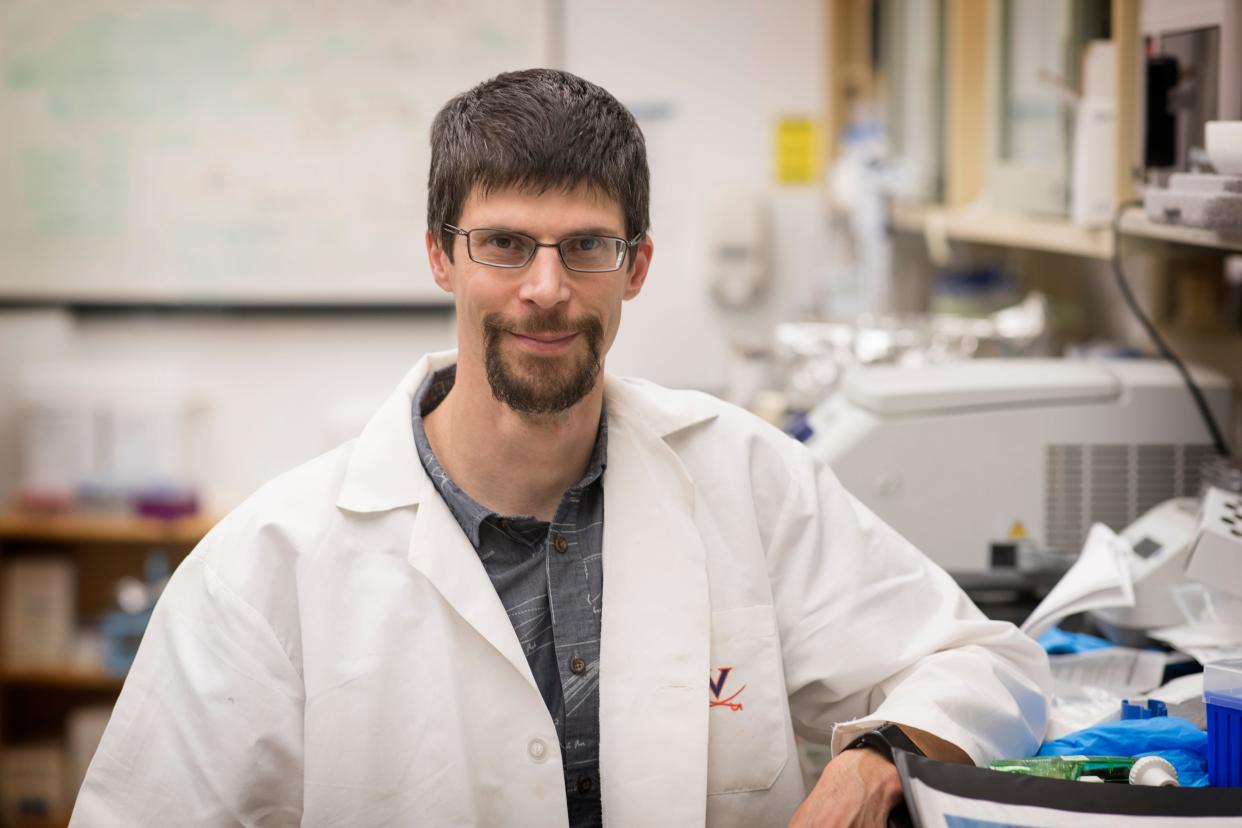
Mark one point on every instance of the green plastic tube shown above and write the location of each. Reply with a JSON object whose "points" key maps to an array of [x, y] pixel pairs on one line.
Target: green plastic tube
{"points": [[1104, 768]]}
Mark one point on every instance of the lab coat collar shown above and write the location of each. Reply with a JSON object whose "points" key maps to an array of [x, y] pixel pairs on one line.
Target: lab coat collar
{"points": [[384, 471]]}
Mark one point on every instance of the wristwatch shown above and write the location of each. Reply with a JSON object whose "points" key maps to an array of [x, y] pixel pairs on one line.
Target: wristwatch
{"points": [[884, 740]]}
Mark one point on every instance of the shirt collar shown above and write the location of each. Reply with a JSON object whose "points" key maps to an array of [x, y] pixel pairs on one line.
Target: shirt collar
{"points": [[469, 513]]}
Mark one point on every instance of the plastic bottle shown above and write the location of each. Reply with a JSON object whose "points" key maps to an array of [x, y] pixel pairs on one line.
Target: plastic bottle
{"points": [[1154, 771]]}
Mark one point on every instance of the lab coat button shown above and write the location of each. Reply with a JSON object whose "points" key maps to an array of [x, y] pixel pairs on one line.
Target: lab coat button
{"points": [[538, 750]]}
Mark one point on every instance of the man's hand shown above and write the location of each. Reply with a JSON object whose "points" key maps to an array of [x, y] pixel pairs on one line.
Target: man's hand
{"points": [[858, 788]]}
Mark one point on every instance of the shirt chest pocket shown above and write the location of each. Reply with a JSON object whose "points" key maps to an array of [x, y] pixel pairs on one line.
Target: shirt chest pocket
{"points": [[746, 702]]}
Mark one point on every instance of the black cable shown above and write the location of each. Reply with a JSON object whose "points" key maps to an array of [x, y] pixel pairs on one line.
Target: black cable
{"points": [[1218, 439]]}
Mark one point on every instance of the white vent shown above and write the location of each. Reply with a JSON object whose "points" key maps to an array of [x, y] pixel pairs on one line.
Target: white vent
{"points": [[1113, 485]]}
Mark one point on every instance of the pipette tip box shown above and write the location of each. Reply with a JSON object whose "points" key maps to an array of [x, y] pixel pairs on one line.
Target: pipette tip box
{"points": [[1222, 694]]}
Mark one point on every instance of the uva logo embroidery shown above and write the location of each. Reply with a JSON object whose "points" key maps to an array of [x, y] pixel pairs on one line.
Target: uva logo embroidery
{"points": [[717, 684]]}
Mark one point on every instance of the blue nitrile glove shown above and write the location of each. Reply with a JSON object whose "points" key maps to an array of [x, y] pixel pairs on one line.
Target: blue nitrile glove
{"points": [[1059, 642], [1173, 738]]}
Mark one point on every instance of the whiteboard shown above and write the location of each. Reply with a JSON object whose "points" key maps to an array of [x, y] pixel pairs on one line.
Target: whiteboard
{"points": [[233, 151]]}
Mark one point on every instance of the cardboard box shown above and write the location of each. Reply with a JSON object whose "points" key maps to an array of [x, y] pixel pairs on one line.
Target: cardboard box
{"points": [[39, 611]]}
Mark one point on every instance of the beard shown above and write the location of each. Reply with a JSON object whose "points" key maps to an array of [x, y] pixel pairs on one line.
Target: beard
{"points": [[534, 384]]}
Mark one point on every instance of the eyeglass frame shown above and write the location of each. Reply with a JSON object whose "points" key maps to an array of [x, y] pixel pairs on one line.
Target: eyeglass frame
{"points": [[629, 245]]}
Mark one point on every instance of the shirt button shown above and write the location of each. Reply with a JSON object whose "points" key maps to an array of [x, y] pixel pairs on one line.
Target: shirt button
{"points": [[584, 785], [577, 665], [561, 544], [537, 749]]}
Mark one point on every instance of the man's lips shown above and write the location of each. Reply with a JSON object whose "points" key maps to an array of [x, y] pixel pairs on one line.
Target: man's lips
{"points": [[548, 338], [545, 341]]}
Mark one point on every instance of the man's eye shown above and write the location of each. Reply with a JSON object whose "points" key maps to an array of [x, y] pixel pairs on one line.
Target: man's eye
{"points": [[586, 244], [501, 242]]}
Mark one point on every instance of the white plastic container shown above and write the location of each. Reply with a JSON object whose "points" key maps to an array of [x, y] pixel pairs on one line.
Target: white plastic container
{"points": [[57, 442], [104, 434]]}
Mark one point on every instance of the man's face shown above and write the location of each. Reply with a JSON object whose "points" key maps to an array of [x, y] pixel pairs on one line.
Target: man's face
{"points": [[539, 332]]}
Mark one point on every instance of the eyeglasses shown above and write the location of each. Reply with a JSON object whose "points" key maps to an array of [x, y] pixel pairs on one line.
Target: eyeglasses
{"points": [[581, 254]]}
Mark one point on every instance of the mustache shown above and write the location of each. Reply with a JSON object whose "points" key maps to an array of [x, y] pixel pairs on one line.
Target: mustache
{"points": [[542, 323]]}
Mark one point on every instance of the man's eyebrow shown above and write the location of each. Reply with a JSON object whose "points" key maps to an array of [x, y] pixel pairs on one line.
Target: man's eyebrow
{"points": [[596, 230], [592, 230]]}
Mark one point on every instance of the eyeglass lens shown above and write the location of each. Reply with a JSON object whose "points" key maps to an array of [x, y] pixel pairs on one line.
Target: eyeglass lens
{"points": [[503, 248]]}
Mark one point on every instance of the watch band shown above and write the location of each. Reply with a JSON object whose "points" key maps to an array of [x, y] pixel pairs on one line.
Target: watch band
{"points": [[884, 740]]}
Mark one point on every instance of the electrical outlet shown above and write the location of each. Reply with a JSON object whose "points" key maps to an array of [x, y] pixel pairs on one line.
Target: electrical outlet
{"points": [[1216, 554]]}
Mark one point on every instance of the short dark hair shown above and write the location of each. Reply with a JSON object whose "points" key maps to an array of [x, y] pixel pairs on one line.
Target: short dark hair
{"points": [[538, 129]]}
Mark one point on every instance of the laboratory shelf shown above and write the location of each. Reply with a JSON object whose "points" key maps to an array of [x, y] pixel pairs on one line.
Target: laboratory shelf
{"points": [[984, 226], [978, 225], [1136, 223], [85, 528], [66, 677]]}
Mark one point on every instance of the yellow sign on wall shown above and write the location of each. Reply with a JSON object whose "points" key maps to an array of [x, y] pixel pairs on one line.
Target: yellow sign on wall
{"points": [[798, 151]]}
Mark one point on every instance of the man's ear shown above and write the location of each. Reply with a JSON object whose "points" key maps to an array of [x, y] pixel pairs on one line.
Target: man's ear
{"points": [[439, 261], [637, 275]]}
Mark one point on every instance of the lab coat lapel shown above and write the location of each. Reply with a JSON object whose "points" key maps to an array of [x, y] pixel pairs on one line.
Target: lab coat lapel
{"points": [[655, 637], [440, 550], [385, 473]]}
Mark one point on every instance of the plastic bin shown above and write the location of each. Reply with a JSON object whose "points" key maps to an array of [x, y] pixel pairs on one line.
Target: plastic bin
{"points": [[1222, 693]]}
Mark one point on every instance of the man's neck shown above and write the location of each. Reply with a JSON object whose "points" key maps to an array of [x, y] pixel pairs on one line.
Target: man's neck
{"points": [[511, 463]]}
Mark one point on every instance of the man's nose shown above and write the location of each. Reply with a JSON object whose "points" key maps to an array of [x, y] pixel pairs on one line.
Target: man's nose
{"points": [[545, 281]]}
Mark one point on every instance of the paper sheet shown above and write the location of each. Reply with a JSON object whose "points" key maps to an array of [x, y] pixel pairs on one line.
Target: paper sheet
{"points": [[1203, 642], [1121, 669], [1180, 689], [1100, 578]]}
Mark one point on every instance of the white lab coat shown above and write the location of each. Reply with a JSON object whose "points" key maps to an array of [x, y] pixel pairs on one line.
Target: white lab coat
{"points": [[333, 652]]}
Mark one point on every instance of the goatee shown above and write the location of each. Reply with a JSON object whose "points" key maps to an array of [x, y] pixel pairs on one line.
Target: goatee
{"points": [[542, 384]]}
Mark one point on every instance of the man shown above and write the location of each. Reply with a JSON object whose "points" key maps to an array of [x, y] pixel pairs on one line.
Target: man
{"points": [[531, 594]]}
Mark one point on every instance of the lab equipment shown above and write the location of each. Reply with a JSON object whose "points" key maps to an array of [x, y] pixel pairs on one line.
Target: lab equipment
{"points": [[1007, 463], [1222, 693], [1223, 142], [810, 359], [1095, 117], [1104, 768], [1206, 200], [1159, 543], [1195, 75], [1135, 710], [1215, 557]]}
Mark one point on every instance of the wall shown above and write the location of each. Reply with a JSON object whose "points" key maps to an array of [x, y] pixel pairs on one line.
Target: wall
{"points": [[706, 79]]}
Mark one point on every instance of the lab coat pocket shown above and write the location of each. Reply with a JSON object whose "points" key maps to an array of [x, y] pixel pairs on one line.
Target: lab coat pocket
{"points": [[746, 702]]}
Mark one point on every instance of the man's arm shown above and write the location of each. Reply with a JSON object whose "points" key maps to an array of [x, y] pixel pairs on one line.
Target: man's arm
{"points": [[873, 632], [208, 727]]}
